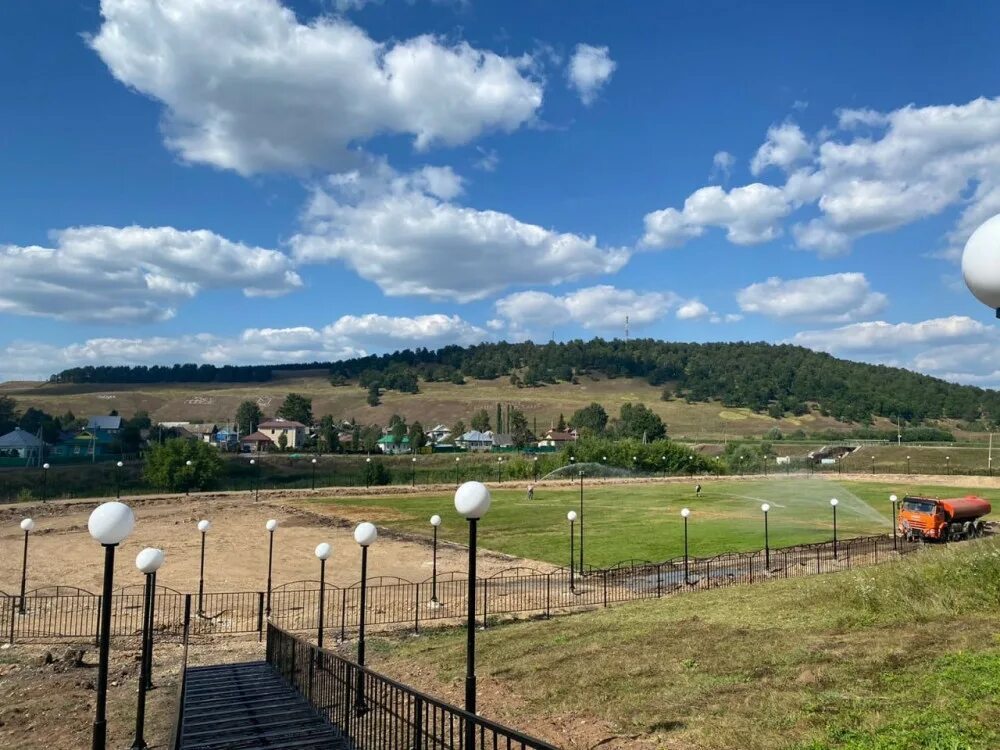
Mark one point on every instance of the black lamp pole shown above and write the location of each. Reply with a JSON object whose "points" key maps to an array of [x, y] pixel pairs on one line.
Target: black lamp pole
{"points": [[360, 704], [322, 593], [45, 482], [139, 743], [256, 486], [581, 523], [270, 557], [535, 471], [434, 569], [834, 532], [572, 534], [470, 646], [499, 467], [201, 578], [24, 571], [149, 637], [894, 542], [767, 544], [686, 576], [456, 472], [314, 474], [118, 480], [413, 473], [100, 731]]}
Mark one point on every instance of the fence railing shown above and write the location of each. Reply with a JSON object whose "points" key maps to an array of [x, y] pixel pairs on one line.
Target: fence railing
{"points": [[375, 712], [67, 613]]}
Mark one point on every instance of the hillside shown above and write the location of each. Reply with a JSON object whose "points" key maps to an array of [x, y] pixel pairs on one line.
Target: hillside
{"points": [[434, 403], [778, 379], [894, 657]]}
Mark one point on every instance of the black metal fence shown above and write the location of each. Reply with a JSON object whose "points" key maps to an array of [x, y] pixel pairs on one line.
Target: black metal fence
{"points": [[68, 613], [376, 712]]}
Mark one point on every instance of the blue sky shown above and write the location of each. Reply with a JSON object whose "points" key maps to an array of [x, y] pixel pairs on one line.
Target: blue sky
{"points": [[250, 181]]}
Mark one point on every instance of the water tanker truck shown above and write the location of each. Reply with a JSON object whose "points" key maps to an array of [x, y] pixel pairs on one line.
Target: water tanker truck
{"points": [[932, 519]]}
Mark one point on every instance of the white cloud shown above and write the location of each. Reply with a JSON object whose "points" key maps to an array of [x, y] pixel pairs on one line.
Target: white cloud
{"points": [[594, 308], [750, 215], [132, 274], [248, 87], [876, 172], [836, 298], [488, 159], [349, 336], [786, 145], [589, 69], [880, 336], [722, 165], [393, 232], [693, 310]]}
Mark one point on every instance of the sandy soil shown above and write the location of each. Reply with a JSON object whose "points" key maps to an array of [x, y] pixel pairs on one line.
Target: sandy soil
{"points": [[62, 552]]}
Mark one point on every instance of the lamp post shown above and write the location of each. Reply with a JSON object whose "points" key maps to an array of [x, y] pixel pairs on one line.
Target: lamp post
{"points": [[368, 472], [833, 504], [45, 482], [271, 525], [323, 551], [458, 462], [27, 526], [535, 473], [435, 522], [413, 472], [187, 477], [571, 517], [110, 524], [314, 475], [873, 465], [765, 464], [685, 512], [472, 501], [256, 479], [118, 479], [893, 499], [203, 527], [581, 522], [148, 562], [365, 535], [765, 507], [907, 464], [499, 468], [947, 460]]}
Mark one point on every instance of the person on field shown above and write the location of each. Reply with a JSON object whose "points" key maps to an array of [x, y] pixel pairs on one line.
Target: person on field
{"points": [[697, 490], [531, 492]]}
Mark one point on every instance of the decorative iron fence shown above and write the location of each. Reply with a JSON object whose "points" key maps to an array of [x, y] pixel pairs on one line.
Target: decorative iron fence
{"points": [[67, 613], [374, 711]]}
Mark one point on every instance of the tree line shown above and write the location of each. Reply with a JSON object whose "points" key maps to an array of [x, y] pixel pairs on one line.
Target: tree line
{"points": [[776, 379]]}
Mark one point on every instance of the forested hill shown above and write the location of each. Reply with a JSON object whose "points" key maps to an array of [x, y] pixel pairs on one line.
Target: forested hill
{"points": [[764, 377]]}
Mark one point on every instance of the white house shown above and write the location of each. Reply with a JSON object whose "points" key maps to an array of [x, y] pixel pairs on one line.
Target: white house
{"points": [[474, 440], [438, 434], [294, 432]]}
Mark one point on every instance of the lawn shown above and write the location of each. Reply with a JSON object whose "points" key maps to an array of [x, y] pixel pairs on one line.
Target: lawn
{"points": [[643, 521], [904, 656]]}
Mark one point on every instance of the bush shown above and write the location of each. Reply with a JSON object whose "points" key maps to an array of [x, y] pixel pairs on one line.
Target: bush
{"points": [[166, 465]]}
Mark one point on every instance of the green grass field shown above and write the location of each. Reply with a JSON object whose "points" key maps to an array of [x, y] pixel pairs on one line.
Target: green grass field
{"points": [[643, 521], [903, 656]]}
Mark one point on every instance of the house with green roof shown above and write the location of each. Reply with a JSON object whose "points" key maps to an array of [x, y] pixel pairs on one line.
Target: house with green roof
{"points": [[391, 446]]}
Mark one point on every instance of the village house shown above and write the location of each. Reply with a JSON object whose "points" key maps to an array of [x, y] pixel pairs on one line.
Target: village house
{"points": [[294, 432], [556, 439]]}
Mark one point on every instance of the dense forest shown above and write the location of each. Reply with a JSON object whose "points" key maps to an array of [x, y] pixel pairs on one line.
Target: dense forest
{"points": [[777, 379]]}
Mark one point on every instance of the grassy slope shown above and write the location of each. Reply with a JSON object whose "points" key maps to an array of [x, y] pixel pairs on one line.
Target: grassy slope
{"points": [[437, 402], [900, 657], [643, 521]]}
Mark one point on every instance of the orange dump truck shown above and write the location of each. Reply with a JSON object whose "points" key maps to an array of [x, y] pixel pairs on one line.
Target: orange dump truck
{"points": [[945, 520]]}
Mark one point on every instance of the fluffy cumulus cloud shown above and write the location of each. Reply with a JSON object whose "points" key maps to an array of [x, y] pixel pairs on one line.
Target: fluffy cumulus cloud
{"points": [[836, 298], [349, 336], [132, 274], [597, 308], [248, 86], [750, 215], [403, 233], [873, 172], [589, 69], [722, 165], [878, 336]]}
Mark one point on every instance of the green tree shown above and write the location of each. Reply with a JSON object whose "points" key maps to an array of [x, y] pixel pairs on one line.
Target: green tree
{"points": [[481, 420], [356, 438], [8, 414], [282, 442], [298, 408], [166, 465], [639, 422], [561, 424], [248, 416], [590, 420], [458, 429], [499, 418], [370, 436], [519, 431], [417, 437], [397, 428], [374, 397], [329, 433]]}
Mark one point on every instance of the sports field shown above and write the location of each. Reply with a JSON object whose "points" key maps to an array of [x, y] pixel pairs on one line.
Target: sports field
{"points": [[643, 521]]}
